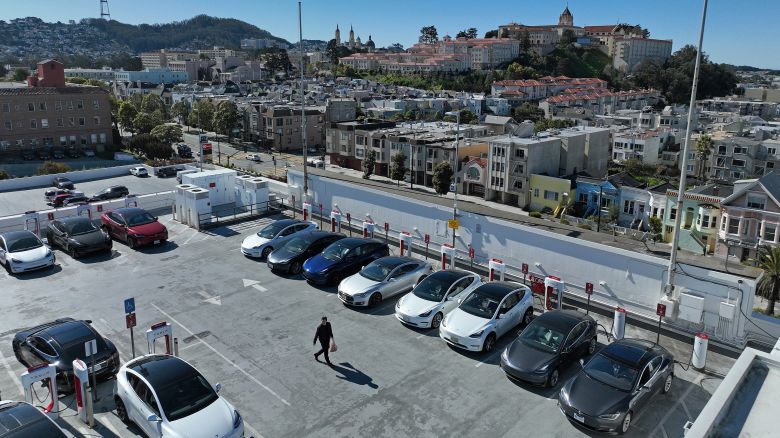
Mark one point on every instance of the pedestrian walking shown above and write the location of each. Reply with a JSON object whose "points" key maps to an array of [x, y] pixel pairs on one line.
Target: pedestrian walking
{"points": [[324, 334]]}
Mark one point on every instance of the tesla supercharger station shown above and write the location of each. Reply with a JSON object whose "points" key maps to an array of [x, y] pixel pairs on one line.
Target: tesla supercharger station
{"points": [[84, 210], [180, 213], [46, 373], [131, 201], [257, 193], [699, 358], [496, 270], [447, 252], [335, 221], [405, 242], [553, 293], [619, 323], [241, 194], [160, 330], [31, 222], [81, 382], [199, 206], [307, 211], [368, 229]]}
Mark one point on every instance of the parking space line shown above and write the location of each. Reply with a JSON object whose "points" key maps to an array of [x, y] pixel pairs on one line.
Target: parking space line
{"points": [[420, 336], [108, 425], [673, 409], [191, 237], [230, 362], [487, 359], [10, 371]]}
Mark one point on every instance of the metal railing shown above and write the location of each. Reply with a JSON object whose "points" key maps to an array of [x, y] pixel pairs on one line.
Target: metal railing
{"points": [[231, 213]]}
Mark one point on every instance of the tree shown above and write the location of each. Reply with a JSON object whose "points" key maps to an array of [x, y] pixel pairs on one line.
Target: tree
{"points": [[4, 175], [528, 111], [152, 103], [768, 286], [491, 34], [167, 134], [180, 111], [613, 213], [226, 118], [655, 225], [703, 150], [277, 61], [469, 33], [155, 150], [145, 122], [429, 35], [50, 167], [203, 115], [20, 74], [525, 41], [126, 115], [567, 37], [519, 71], [398, 167], [442, 177], [545, 124], [368, 164]]}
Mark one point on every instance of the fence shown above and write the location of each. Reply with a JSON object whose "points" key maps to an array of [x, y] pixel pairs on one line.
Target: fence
{"points": [[223, 214], [608, 228]]}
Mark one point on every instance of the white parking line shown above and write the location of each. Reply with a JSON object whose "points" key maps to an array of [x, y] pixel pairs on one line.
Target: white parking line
{"points": [[673, 409], [191, 237], [11, 373], [106, 422], [230, 362], [420, 337], [487, 359]]}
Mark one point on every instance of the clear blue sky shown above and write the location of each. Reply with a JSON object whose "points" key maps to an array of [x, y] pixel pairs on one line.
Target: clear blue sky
{"points": [[738, 31]]}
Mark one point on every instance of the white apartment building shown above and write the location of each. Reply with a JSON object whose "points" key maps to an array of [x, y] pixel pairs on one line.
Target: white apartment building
{"points": [[645, 145], [101, 74], [630, 52]]}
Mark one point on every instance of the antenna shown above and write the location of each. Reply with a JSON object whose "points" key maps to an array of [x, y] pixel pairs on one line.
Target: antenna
{"points": [[104, 13]]}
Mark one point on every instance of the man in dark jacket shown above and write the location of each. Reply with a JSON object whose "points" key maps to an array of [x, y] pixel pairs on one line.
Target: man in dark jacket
{"points": [[324, 334]]}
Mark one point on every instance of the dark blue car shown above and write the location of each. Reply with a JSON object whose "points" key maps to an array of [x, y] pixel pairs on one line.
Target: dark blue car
{"points": [[342, 259]]}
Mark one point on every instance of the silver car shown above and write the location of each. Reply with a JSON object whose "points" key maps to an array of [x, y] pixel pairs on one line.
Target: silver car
{"points": [[383, 278]]}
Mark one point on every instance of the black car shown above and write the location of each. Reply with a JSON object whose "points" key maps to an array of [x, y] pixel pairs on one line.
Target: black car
{"points": [[20, 419], [28, 155], [184, 151], [114, 192], [61, 342], [73, 153], [62, 183], [77, 235], [342, 259], [43, 154], [290, 257], [165, 172], [58, 154], [616, 384], [550, 342]]}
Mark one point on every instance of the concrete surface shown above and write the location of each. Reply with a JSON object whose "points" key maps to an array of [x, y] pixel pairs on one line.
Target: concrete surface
{"points": [[250, 329]]}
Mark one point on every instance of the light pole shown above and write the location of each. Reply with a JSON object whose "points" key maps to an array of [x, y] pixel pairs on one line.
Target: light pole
{"points": [[455, 196], [303, 108]]}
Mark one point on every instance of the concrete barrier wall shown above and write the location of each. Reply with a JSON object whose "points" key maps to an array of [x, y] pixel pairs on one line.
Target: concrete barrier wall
{"points": [[620, 277], [31, 182]]}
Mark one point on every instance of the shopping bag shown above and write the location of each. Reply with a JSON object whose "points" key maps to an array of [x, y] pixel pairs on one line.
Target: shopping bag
{"points": [[333, 346]]}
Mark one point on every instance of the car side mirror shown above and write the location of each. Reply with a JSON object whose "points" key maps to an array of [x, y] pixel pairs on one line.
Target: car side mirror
{"points": [[582, 363], [460, 300], [153, 418], [218, 387], [392, 279], [155, 218]]}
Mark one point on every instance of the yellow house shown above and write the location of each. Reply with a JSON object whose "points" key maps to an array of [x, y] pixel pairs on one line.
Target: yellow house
{"points": [[548, 192]]}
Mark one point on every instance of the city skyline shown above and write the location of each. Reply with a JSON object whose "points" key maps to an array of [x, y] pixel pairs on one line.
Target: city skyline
{"points": [[743, 44]]}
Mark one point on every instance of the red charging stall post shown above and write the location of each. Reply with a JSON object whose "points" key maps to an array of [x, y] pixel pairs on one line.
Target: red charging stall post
{"points": [[368, 229], [405, 243], [335, 220], [496, 270], [447, 252], [160, 330], [306, 211], [553, 293], [427, 240]]}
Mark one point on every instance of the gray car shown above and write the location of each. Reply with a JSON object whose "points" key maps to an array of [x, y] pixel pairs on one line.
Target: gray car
{"points": [[616, 384], [382, 279]]}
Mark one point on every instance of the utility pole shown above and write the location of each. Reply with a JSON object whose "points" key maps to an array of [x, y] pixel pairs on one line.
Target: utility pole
{"points": [[669, 287], [303, 108], [598, 209]]}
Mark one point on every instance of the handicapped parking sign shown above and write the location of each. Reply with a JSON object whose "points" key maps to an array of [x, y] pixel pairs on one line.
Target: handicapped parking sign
{"points": [[129, 305]]}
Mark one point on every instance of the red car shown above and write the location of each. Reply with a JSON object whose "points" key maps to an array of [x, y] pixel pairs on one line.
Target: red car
{"points": [[134, 226]]}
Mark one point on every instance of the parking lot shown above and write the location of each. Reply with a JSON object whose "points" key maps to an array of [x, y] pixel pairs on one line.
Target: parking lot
{"points": [[251, 330], [32, 199]]}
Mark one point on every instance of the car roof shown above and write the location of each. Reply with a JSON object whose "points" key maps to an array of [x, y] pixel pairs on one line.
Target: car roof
{"points": [[19, 420], [13, 236], [74, 219], [286, 222], [394, 261], [498, 289], [450, 275], [161, 369], [129, 210], [352, 242], [561, 320], [68, 332], [634, 352], [313, 236]]}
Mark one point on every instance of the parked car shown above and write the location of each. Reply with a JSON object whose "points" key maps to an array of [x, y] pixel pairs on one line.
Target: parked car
{"points": [[49, 194], [489, 312], [616, 384], [58, 154], [274, 236], [89, 153], [59, 343], [62, 182], [113, 192], [342, 259], [23, 251], [139, 171], [289, 257], [21, 419], [75, 200], [549, 343], [434, 297], [28, 155], [77, 235], [255, 157], [184, 151], [73, 153], [165, 396], [134, 226], [165, 172], [59, 200], [43, 154], [383, 278]]}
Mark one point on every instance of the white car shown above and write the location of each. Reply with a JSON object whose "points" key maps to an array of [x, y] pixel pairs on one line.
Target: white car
{"points": [[486, 314], [435, 296], [255, 157], [22, 251], [382, 278], [273, 236], [139, 171], [167, 397]]}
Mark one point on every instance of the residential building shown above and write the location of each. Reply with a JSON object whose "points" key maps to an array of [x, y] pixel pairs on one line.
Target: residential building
{"points": [[512, 161], [743, 107], [101, 74], [48, 112], [161, 58], [262, 43], [630, 52], [542, 38], [152, 76], [475, 176], [644, 145], [282, 128], [599, 100], [734, 158], [526, 90], [596, 195], [217, 52], [548, 193], [639, 203], [701, 213], [340, 110], [750, 217], [763, 94]]}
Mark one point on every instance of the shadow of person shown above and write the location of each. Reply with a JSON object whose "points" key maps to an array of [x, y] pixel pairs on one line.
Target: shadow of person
{"points": [[350, 374]]}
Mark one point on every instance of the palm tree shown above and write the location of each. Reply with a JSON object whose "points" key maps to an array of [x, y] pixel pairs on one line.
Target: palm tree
{"points": [[703, 150], [769, 285]]}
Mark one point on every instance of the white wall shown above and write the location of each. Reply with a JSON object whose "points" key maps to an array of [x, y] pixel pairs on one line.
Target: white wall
{"points": [[631, 280], [30, 182]]}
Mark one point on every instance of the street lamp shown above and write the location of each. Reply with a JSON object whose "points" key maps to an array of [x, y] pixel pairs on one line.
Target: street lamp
{"points": [[457, 146]]}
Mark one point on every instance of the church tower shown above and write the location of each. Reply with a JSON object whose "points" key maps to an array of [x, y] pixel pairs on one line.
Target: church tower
{"points": [[351, 37], [566, 19]]}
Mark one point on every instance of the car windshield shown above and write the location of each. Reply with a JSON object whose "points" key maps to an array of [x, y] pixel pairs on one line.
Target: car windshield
{"points": [[272, 230], [140, 219], [480, 305], [377, 271], [186, 396], [81, 227], [542, 338], [336, 251], [432, 288], [24, 244], [611, 372], [297, 245]]}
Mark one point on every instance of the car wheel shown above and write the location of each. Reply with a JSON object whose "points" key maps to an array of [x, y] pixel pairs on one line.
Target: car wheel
{"points": [[375, 299], [73, 253], [529, 315], [667, 383], [121, 410], [295, 268], [436, 321], [335, 279], [625, 424], [132, 243], [490, 342], [552, 379], [267, 250], [592, 346]]}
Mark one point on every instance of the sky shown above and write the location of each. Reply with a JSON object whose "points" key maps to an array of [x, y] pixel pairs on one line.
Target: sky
{"points": [[744, 32]]}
